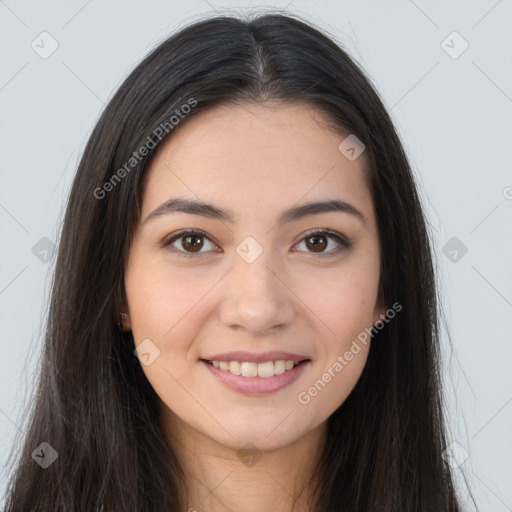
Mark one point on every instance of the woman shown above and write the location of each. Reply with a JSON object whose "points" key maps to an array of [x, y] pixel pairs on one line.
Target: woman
{"points": [[244, 307]]}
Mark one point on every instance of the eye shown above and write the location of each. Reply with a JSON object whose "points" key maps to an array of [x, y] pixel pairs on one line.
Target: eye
{"points": [[318, 240], [190, 242]]}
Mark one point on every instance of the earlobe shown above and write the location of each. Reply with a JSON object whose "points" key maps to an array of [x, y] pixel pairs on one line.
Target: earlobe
{"points": [[125, 323]]}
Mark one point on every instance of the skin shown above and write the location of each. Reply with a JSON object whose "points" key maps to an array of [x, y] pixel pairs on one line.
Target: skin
{"points": [[257, 160]]}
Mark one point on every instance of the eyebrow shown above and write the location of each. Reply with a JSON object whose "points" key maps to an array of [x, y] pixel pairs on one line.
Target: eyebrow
{"points": [[210, 211]]}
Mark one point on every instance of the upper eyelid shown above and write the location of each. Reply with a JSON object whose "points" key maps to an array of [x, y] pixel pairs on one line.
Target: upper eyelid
{"points": [[181, 233]]}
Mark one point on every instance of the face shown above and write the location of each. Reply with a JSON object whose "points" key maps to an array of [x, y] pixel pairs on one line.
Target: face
{"points": [[244, 284]]}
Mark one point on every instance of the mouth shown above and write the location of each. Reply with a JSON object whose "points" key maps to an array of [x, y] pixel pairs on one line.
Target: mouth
{"points": [[265, 370], [251, 378]]}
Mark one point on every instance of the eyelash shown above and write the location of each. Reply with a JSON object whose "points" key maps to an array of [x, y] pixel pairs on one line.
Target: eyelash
{"points": [[340, 239]]}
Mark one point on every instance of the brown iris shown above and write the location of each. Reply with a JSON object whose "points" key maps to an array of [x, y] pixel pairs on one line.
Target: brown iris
{"points": [[317, 246], [192, 243]]}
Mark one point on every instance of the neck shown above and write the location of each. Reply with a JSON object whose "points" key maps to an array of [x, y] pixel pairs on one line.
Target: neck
{"points": [[222, 479]]}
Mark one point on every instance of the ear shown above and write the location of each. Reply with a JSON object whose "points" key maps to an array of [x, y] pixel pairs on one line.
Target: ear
{"points": [[125, 321]]}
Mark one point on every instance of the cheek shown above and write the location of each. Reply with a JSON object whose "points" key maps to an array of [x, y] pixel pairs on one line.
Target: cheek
{"points": [[161, 304], [160, 299], [342, 351], [168, 307], [343, 301], [345, 312]]}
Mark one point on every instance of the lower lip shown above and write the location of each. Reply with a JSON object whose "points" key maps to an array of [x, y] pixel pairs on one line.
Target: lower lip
{"points": [[257, 385]]}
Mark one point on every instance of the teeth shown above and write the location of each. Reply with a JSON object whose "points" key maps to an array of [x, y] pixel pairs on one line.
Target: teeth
{"points": [[235, 367], [279, 367], [247, 369]]}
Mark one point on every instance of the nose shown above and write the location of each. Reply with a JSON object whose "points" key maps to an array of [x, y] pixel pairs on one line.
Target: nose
{"points": [[256, 297]]}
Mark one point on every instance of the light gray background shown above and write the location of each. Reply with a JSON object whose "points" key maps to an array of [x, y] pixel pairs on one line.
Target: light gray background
{"points": [[454, 115]]}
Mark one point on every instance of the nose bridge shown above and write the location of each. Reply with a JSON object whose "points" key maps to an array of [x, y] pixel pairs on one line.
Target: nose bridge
{"points": [[254, 281], [252, 263], [256, 298]]}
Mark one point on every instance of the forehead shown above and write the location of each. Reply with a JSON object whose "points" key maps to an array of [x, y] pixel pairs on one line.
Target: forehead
{"points": [[257, 156]]}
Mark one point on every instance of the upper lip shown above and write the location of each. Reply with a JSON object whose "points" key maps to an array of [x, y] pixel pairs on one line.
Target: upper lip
{"points": [[242, 356]]}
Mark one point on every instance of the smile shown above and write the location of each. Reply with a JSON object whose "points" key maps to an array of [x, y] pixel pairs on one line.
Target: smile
{"points": [[275, 375], [248, 369]]}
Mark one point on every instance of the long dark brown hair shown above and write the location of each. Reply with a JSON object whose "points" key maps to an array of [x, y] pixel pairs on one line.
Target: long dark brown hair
{"points": [[93, 404]]}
